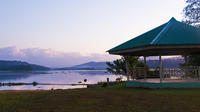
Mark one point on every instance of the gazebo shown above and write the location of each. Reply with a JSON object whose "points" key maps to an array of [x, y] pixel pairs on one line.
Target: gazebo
{"points": [[171, 38]]}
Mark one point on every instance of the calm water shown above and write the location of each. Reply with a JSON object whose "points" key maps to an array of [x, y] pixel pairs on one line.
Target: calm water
{"points": [[53, 77]]}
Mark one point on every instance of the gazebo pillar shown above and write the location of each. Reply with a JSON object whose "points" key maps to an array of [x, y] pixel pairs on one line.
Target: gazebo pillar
{"points": [[145, 68], [160, 60], [186, 66], [127, 71]]}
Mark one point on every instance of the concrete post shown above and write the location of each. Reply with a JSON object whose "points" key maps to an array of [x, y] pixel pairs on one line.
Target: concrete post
{"points": [[108, 82]]}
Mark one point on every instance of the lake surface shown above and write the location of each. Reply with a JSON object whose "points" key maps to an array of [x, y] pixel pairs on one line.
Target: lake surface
{"points": [[54, 77]]}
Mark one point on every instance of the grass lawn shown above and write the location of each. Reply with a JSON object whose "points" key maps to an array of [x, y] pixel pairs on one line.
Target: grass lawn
{"points": [[112, 99]]}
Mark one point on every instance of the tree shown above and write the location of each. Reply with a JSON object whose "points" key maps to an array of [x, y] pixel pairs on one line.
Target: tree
{"points": [[192, 16], [118, 67], [194, 60], [192, 12]]}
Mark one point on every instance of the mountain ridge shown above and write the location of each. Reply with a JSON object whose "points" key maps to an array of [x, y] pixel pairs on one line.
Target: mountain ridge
{"points": [[7, 65]]}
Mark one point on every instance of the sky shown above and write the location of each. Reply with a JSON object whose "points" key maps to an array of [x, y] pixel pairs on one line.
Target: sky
{"points": [[58, 33]]}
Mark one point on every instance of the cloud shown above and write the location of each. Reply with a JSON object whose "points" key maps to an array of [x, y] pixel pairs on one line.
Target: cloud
{"points": [[49, 57]]}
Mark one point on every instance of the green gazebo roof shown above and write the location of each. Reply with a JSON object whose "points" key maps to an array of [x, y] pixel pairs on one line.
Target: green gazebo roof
{"points": [[168, 36]]}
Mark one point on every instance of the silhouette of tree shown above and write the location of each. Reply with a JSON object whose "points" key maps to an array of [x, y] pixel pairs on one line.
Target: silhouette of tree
{"points": [[192, 16], [118, 67]]}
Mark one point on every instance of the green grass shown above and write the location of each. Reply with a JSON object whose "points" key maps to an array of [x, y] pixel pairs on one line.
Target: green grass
{"points": [[110, 99]]}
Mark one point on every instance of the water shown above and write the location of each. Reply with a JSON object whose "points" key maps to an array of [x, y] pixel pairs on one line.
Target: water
{"points": [[53, 77]]}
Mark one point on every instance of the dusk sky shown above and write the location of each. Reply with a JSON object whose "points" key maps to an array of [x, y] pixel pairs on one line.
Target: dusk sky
{"points": [[58, 33]]}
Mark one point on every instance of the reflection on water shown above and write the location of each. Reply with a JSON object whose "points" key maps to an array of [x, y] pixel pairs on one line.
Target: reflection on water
{"points": [[4, 76], [53, 77], [41, 87]]}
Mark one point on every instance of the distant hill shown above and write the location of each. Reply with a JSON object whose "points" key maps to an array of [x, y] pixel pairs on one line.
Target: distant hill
{"points": [[87, 66], [19, 66], [168, 62]]}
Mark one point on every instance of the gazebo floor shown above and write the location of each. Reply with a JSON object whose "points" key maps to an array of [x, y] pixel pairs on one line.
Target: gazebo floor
{"points": [[167, 83]]}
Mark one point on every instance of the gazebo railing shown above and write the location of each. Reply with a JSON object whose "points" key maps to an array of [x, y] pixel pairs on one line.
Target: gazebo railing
{"points": [[186, 72]]}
